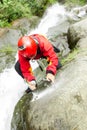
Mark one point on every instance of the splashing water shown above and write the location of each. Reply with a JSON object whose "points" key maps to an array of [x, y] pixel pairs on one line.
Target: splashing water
{"points": [[11, 89]]}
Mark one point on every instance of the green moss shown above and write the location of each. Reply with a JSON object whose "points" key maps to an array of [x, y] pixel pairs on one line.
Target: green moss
{"points": [[7, 56], [70, 57], [7, 49], [75, 2], [20, 113]]}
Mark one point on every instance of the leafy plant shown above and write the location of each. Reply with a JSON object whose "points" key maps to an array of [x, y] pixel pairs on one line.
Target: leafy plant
{"points": [[13, 9]]}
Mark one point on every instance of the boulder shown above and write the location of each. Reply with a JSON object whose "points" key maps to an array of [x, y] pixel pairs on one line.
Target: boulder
{"points": [[58, 36], [19, 27], [63, 105], [9, 36], [77, 32]]}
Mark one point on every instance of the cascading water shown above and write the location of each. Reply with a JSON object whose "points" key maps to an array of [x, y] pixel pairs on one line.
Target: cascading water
{"points": [[12, 86], [51, 17]]}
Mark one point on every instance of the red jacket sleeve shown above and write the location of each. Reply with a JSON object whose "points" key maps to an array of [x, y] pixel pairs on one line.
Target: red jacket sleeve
{"points": [[48, 51], [25, 68]]}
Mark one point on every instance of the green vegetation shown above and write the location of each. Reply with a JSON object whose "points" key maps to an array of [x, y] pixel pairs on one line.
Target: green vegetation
{"points": [[7, 56], [76, 2], [70, 57], [7, 50], [11, 10]]}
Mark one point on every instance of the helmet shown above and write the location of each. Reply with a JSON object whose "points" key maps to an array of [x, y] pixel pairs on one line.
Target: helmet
{"points": [[27, 46]]}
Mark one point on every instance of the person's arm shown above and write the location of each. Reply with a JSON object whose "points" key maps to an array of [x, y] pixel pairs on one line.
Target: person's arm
{"points": [[26, 68], [53, 63], [27, 72], [48, 52]]}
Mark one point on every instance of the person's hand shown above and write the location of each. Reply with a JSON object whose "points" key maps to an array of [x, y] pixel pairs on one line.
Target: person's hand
{"points": [[32, 85], [50, 77]]}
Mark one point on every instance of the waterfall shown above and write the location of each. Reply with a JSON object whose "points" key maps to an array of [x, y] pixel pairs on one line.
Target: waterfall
{"points": [[12, 85], [51, 17]]}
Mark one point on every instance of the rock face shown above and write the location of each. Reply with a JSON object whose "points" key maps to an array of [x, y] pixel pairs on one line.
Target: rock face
{"points": [[9, 36], [63, 105], [19, 27], [77, 32]]}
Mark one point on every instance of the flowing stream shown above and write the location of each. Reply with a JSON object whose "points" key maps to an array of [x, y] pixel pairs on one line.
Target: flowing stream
{"points": [[12, 86], [51, 17]]}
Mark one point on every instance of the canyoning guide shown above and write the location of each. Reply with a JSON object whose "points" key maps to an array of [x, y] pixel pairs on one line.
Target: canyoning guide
{"points": [[31, 47]]}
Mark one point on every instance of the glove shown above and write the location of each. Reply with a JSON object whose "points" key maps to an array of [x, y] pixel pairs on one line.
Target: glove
{"points": [[50, 77], [32, 85]]}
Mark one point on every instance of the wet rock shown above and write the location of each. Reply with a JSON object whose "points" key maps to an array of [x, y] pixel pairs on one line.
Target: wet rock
{"points": [[25, 24], [19, 27], [77, 32], [63, 105], [58, 36], [9, 36]]}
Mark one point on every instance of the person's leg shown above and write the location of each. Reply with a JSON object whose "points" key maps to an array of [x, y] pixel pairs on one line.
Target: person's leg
{"points": [[59, 65], [18, 70]]}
